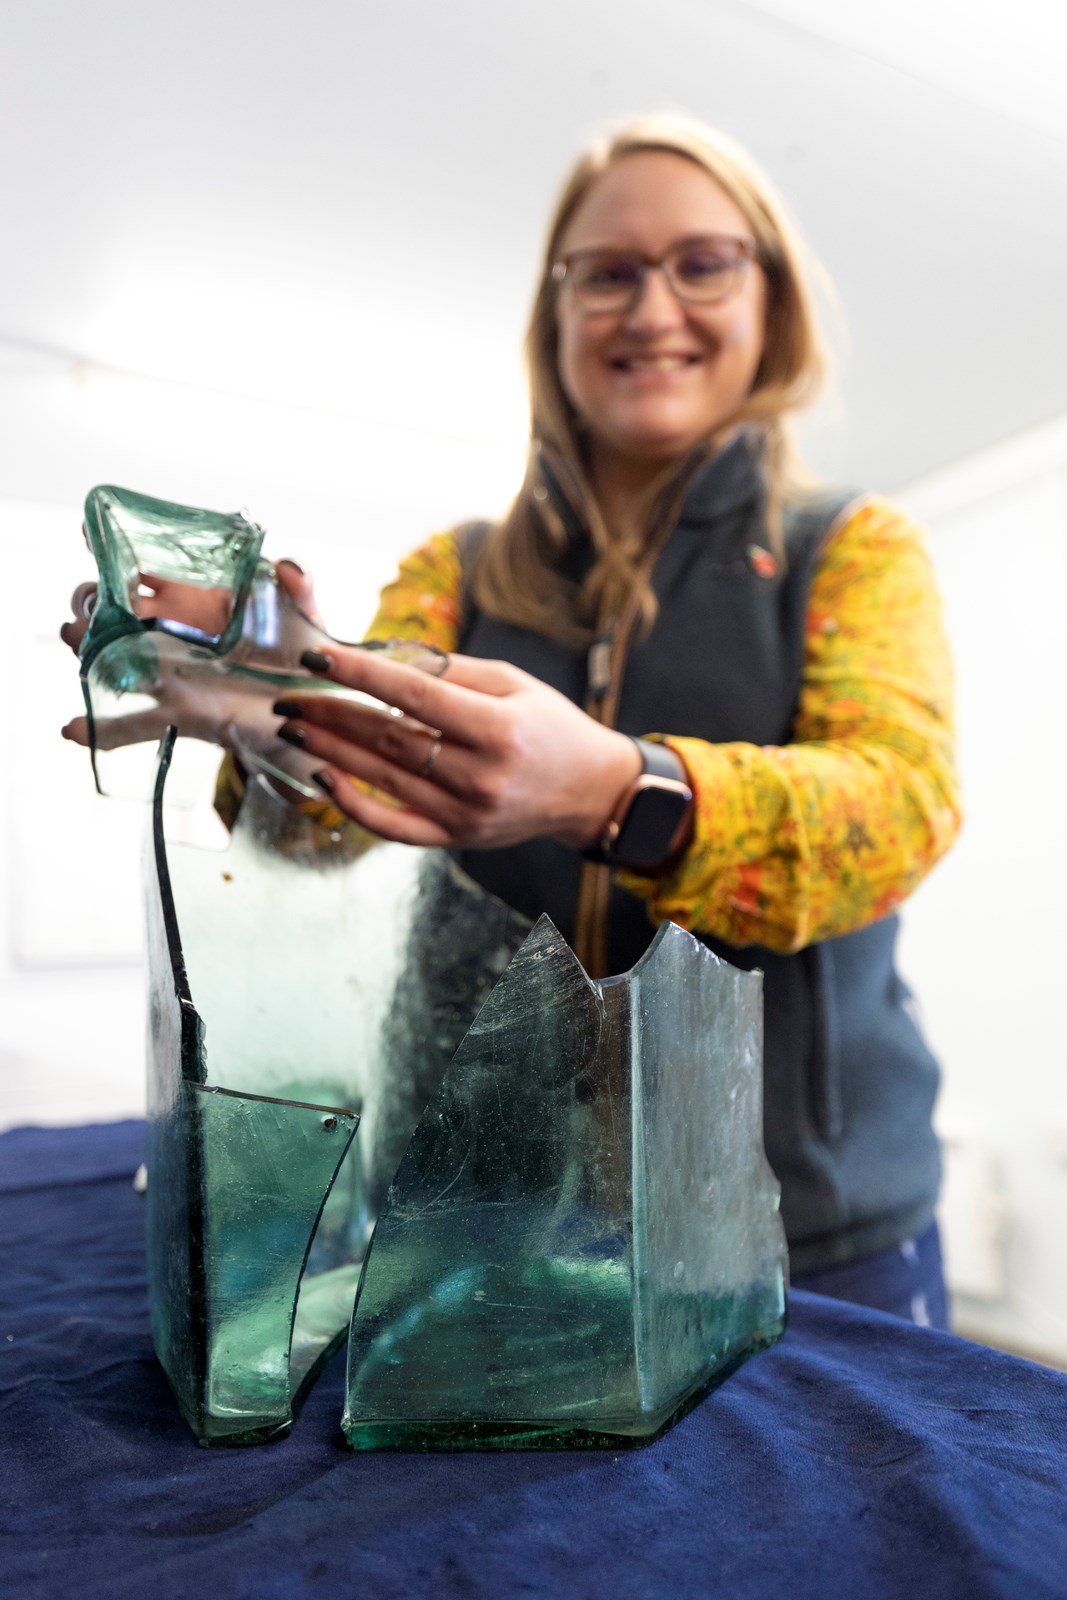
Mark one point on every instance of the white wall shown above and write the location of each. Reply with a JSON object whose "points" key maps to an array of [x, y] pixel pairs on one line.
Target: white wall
{"points": [[984, 940]]}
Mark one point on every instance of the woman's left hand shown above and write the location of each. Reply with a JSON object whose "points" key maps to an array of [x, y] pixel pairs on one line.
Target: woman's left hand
{"points": [[483, 756]]}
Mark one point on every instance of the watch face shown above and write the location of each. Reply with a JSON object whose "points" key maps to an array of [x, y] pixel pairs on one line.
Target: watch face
{"points": [[645, 834]]}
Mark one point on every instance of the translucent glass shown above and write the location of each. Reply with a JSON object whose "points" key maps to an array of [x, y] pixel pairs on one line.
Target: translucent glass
{"points": [[574, 1230], [583, 1236], [373, 1083], [301, 982], [230, 645]]}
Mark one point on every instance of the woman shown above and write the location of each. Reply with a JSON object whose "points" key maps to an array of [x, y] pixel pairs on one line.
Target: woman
{"points": [[680, 684]]}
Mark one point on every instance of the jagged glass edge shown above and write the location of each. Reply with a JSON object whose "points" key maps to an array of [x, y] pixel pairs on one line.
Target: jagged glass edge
{"points": [[190, 1387], [113, 619], [112, 616], [447, 1434]]}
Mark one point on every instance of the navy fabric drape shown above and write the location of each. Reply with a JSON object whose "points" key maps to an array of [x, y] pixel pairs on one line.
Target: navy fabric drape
{"points": [[863, 1455]]}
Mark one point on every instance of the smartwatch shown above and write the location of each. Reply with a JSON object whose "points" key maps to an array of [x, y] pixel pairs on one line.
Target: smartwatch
{"points": [[643, 825]]}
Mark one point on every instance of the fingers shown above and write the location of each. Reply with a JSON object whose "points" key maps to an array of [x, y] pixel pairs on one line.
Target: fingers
{"points": [[72, 634], [388, 822], [81, 604], [188, 603], [406, 761], [400, 738], [83, 600], [300, 588], [488, 677], [460, 703], [115, 733], [409, 745]]}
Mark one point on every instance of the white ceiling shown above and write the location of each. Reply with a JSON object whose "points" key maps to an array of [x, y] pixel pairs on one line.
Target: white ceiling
{"points": [[338, 205], [1008, 57]]}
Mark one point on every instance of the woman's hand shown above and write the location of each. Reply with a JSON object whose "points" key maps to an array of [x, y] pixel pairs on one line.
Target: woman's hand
{"points": [[483, 756]]}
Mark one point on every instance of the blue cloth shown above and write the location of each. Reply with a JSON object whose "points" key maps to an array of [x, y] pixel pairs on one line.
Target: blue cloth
{"points": [[862, 1456]]}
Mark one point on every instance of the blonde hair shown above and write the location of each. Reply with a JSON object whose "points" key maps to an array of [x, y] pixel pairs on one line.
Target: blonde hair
{"points": [[517, 576]]}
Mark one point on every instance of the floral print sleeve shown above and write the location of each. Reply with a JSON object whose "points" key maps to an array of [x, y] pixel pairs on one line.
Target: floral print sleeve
{"points": [[423, 600], [804, 841]]}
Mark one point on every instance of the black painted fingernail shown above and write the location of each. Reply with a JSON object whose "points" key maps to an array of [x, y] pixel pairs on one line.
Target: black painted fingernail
{"points": [[287, 708], [315, 661], [323, 780], [292, 735]]}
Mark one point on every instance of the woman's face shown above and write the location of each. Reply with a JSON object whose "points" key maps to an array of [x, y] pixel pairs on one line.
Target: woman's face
{"points": [[652, 381]]}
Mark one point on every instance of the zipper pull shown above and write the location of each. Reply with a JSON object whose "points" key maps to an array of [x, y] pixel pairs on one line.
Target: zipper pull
{"points": [[598, 667]]}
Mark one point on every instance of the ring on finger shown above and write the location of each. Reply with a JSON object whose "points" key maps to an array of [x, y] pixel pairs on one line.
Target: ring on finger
{"points": [[431, 756], [83, 601]]}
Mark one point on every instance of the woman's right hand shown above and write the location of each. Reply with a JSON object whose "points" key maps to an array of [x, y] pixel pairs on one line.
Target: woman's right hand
{"points": [[483, 756]]}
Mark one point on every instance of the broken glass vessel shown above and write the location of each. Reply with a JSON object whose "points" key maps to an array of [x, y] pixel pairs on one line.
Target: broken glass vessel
{"points": [[189, 627], [582, 1237], [382, 1104], [557, 1188]]}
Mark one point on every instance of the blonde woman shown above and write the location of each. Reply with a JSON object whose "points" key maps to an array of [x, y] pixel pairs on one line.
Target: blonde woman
{"points": [[685, 683]]}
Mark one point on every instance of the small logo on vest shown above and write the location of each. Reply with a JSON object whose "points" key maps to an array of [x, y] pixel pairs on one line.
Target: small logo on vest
{"points": [[763, 563]]}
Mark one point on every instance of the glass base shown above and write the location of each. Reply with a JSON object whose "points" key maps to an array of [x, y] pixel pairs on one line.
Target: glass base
{"points": [[483, 1433]]}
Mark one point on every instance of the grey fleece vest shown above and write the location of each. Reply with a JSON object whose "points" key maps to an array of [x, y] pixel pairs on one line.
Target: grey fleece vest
{"points": [[849, 1083]]}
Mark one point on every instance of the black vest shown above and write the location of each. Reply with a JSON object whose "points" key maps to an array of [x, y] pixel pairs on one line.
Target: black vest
{"points": [[849, 1083]]}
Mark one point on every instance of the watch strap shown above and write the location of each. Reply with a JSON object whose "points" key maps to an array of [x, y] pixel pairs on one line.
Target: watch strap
{"points": [[659, 760]]}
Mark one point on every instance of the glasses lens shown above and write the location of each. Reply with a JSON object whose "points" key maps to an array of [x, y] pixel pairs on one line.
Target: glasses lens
{"points": [[705, 269], [606, 279]]}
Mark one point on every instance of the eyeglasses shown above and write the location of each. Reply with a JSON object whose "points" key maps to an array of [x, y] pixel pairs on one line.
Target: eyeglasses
{"points": [[703, 271]]}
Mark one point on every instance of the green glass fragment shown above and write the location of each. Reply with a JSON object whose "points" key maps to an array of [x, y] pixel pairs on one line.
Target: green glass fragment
{"points": [[226, 645], [237, 1184], [583, 1236], [301, 982]]}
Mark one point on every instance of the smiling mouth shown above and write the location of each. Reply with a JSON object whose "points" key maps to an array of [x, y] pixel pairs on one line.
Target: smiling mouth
{"points": [[665, 363]]}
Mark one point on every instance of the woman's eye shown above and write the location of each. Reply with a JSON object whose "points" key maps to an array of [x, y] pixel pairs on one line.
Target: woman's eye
{"points": [[611, 273], [697, 266]]}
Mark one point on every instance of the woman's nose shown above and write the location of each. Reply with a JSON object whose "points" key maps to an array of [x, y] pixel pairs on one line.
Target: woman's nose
{"points": [[655, 303]]}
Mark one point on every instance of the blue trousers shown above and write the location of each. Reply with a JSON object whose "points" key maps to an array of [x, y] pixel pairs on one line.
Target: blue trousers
{"points": [[907, 1281]]}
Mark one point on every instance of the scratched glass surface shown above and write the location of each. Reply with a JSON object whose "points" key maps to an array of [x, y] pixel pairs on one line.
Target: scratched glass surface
{"points": [[227, 644], [302, 983], [583, 1237]]}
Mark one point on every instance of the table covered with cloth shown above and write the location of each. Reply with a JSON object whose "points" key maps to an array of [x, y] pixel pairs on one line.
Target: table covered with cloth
{"points": [[861, 1456]]}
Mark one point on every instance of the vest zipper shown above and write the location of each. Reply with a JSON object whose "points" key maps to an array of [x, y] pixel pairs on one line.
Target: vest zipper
{"points": [[607, 662], [606, 665]]}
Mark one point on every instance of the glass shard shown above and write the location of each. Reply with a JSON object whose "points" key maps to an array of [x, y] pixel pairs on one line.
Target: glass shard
{"points": [[583, 1236], [301, 983], [224, 640]]}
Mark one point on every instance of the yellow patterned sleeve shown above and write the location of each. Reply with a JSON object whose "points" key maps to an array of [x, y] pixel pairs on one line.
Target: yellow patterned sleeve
{"points": [[423, 600], [801, 842]]}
